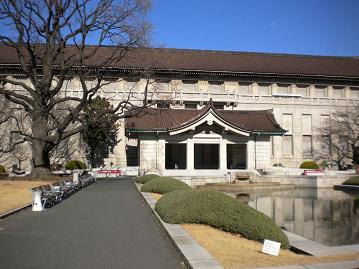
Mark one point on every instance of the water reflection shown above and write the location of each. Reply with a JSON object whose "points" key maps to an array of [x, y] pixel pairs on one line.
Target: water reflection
{"points": [[327, 216]]}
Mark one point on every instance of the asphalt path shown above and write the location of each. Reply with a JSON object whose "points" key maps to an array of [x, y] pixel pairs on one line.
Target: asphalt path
{"points": [[106, 225]]}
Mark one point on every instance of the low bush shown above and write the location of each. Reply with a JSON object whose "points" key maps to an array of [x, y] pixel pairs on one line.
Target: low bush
{"points": [[75, 164], [352, 181], [220, 211], [2, 169], [309, 165], [164, 185], [146, 178]]}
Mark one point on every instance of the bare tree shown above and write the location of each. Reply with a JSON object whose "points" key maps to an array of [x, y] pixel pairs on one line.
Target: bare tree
{"points": [[21, 153], [338, 138], [51, 40], [69, 148]]}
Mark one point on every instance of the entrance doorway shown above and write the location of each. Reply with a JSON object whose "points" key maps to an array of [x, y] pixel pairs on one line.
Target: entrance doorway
{"points": [[236, 156], [176, 156], [206, 156]]}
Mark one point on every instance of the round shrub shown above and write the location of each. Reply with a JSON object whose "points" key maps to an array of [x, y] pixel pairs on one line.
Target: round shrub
{"points": [[75, 164], [220, 211], [309, 165], [164, 185], [2, 169], [146, 178], [352, 181]]}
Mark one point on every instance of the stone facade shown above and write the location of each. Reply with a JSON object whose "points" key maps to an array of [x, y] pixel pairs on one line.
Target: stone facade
{"points": [[297, 109], [301, 90]]}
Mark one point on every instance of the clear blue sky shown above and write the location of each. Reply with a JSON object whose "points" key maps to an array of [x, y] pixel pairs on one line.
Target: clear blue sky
{"points": [[318, 27]]}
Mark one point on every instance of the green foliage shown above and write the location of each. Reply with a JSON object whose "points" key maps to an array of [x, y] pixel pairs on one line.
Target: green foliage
{"points": [[164, 185], [309, 165], [352, 181], [2, 169], [75, 164], [146, 178], [101, 129], [220, 211]]}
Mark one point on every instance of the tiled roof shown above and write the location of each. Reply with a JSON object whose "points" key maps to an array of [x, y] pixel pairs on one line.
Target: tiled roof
{"points": [[166, 120], [217, 61]]}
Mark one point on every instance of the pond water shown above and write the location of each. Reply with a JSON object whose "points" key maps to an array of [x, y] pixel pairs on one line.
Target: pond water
{"points": [[327, 216]]}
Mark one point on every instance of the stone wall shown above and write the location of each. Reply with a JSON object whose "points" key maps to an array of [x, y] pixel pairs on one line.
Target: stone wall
{"points": [[325, 181], [293, 101], [303, 105]]}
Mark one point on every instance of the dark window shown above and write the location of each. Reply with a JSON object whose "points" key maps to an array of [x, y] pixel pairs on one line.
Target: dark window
{"points": [[132, 155], [206, 156], [190, 105], [218, 105], [162, 104], [176, 156]]}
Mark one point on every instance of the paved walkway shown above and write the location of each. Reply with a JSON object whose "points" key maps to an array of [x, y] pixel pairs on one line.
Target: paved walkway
{"points": [[106, 225]]}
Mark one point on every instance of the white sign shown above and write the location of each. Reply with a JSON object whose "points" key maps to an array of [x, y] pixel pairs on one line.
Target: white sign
{"points": [[75, 178], [271, 247]]}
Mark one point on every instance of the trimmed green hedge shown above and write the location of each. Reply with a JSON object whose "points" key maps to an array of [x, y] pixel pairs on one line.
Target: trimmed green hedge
{"points": [[164, 185], [352, 181], [75, 164], [146, 178], [309, 165], [220, 211], [2, 169]]}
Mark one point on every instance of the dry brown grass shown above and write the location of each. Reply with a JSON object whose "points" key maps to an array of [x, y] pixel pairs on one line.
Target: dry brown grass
{"points": [[156, 196], [234, 251], [14, 194]]}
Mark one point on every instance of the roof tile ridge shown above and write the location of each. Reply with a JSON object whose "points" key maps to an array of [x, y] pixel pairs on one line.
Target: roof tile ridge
{"points": [[203, 111], [221, 114], [233, 52]]}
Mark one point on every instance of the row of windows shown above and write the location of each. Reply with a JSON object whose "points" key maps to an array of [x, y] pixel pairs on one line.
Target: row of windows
{"points": [[250, 88], [228, 87], [306, 131], [189, 105], [287, 146]]}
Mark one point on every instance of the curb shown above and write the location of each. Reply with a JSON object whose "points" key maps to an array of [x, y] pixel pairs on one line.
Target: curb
{"points": [[193, 255], [346, 187], [11, 212]]}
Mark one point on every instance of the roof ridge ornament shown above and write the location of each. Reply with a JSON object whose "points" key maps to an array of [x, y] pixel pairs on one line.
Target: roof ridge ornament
{"points": [[210, 103]]}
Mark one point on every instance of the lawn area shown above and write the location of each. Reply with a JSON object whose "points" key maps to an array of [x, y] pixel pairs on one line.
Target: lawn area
{"points": [[234, 251], [14, 194]]}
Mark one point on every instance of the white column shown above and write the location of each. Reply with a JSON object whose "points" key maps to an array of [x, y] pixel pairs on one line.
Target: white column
{"points": [[161, 145], [223, 155], [347, 92], [330, 91], [190, 155], [312, 91], [120, 149], [250, 155], [297, 135]]}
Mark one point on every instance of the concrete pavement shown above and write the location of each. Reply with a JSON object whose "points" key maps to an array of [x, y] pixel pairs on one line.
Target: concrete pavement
{"points": [[106, 225]]}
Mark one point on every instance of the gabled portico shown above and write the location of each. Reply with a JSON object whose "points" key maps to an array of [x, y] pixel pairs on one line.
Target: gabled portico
{"points": [[204, 144]]}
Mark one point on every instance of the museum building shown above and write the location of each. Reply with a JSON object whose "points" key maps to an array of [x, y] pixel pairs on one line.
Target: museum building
{"points": [[215, 112]]}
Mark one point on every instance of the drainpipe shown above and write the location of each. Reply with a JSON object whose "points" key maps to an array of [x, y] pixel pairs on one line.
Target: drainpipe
{"points": [[255, 151], [157, 151]]}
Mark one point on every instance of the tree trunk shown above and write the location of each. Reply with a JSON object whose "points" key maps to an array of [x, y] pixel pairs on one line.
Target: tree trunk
{"points": [[40, 148], [40, 159]]}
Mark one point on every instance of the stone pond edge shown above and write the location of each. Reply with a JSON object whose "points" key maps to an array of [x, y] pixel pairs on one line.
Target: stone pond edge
{"points": [[176, 234]]}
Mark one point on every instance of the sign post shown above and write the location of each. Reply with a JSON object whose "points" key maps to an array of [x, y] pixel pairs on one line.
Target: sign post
{"points": [[271, 247]]}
